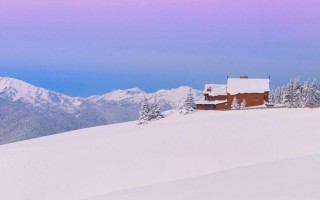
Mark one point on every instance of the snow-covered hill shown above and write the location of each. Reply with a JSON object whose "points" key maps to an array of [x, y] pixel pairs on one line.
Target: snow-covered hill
{"points": [[278, 180], [28, 111], [253, 154]]}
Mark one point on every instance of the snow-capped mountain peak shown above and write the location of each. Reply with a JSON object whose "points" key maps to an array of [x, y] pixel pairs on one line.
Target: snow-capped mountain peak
{"points": [[176, 97], [16, 90], [133, 95], [168, 99], [35, 111]]}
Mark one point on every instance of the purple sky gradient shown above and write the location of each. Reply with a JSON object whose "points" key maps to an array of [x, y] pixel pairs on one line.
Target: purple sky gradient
{"points": [[198, 41]]}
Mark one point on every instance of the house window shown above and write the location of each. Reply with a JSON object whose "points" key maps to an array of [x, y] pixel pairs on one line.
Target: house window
{"points": [[209, 107]]}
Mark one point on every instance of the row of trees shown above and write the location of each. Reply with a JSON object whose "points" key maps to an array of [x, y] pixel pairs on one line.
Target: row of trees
{"points": [[297, 94], [152, 111], [149, 112], [236, 106]]}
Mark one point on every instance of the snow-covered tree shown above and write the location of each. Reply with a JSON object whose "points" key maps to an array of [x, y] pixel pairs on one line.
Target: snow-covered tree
{"points": [[278, 95], [189, 104], [313, 95], [304, 94], [272, 96], [297, 94], [243, 104], [289, 94], [235, 104], [144, 115], [155, 112]]}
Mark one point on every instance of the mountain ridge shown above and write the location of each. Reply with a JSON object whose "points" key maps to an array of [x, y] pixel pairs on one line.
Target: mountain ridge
{"points": [[44, 112]]}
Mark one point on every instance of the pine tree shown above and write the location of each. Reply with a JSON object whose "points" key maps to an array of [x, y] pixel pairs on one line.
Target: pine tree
{"points": [[317, 92], [243, 104], [144, 117], [313, 96], [289, 94], [297, 93], [304, 94], [272, 96], [276, 96], [235, 104], [189, 104], [279, 95], [155, 112]]}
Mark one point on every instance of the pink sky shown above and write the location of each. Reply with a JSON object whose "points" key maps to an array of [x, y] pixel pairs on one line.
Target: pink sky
{"points": [[159, 35]]}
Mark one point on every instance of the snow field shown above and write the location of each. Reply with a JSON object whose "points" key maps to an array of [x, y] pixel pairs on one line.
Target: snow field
{"points": [[103, 160]]}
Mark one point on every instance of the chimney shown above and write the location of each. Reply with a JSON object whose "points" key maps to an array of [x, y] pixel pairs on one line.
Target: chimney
{"points": [[244, 77]]}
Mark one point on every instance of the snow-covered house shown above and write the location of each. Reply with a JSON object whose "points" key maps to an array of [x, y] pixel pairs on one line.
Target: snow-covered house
{"points": [[254, 92]]}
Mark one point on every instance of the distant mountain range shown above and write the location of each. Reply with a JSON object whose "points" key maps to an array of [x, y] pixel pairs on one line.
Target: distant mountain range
{"points": [[27, 111]]}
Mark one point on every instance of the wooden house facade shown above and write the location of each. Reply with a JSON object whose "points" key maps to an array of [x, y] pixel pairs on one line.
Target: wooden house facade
{"points": [[220, 97]]}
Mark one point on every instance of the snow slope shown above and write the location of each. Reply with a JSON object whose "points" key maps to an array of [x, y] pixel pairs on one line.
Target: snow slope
{"points": [[292, 179], [176, 153]]}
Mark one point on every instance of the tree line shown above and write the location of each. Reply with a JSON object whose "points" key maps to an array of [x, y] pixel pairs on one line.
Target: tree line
{"points": [[150, 112], [297, 94]]}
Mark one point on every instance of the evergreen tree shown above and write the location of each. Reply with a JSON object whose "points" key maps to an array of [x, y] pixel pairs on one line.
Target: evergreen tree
{"points": [[276, 93], [304, 94], [313, 96], [297, 93], [144, 115], [281, 95], [243, 104], [155, 112], [272, 96], [235, 104], [189, 104], [289, 94]]}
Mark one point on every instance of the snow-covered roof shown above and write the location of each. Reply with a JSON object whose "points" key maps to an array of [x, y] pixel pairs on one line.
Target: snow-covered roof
{"points": [[215, 89], [211, 102], [247, 85]]}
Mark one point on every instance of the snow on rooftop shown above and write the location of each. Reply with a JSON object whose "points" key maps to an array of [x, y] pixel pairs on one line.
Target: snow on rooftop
{"points": [[247, 85], [215, 89]]}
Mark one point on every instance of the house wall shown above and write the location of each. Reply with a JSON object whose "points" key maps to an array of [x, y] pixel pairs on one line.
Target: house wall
{"points": [[266, 96], [212, 107], [200, 107], [222, 106], [251, 99], [214, 98]]}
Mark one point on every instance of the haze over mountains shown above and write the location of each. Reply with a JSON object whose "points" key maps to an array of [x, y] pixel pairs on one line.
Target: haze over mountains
{"points": [[27, 111]]}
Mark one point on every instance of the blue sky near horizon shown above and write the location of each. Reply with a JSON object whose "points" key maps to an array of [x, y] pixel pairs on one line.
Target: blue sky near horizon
{"points": [[83, 48]]}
